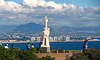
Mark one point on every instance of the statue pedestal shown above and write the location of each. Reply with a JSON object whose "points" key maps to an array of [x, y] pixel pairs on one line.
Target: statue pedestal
{"points": [[46, 49]]}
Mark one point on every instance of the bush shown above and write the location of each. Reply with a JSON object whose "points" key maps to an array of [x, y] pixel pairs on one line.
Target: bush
{"points": [[34, 50], [59, 51], [41, 51], [23, 55], [27, 55], [79, 56], [67, 57], [92, 54], [17, 54], [47, 58], [5, 54], [17, 49], [51, 48]]}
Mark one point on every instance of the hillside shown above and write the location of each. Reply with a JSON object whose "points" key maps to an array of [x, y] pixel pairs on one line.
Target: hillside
{"points": [[29, 27], [7, 28], [90, 29], [33, 27]]}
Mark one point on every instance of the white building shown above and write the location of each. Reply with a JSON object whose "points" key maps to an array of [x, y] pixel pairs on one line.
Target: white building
{"points": [[51, 39], [60, 38], [55, 38], [67, 38], [27, 40], [38, 39], [32, 39]]}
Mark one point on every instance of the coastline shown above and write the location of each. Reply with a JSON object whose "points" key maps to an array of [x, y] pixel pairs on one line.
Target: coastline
{"points": [[52, 41]]}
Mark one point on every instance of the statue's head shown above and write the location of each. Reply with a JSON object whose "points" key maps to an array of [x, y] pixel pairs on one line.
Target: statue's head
{"points": [[45, 17], [45, 20]]}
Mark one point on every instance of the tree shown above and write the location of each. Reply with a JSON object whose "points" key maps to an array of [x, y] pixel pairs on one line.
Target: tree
{"points": [[79, 56], [5, 54], [92, 54]]}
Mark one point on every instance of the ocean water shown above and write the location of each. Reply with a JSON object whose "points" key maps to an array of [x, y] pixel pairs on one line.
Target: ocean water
{"points": [[70, 45]]}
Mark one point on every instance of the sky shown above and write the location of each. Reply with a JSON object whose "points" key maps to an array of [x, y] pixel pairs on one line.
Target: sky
{"points": [[72, 13], [83, 3]]}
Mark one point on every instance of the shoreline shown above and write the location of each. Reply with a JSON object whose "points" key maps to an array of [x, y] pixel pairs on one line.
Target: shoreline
{"points": [[52, 41]]}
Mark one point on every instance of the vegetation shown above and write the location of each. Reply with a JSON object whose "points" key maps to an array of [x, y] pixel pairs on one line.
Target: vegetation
{"points": [[17, 54], [51, 48], [41, 51], [59, 51], [92, 54], [67, 57], [47, 58]]}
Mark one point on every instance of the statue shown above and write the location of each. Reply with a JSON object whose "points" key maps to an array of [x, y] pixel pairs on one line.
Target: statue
{"points": [[45, 35]]}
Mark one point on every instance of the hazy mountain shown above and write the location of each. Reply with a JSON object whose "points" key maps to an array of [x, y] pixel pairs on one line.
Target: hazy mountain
{"points": [[7, 28], [29, 27], [90, 29], [33, 27]]}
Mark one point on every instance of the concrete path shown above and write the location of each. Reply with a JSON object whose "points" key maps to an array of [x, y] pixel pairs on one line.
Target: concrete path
{"points": [[58, 56]]}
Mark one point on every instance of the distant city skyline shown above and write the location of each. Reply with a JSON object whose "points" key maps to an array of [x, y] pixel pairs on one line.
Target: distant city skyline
{"points": [[72, 13]]}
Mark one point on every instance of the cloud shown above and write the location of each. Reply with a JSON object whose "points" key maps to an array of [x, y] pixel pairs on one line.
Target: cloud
{"points": [[30, 2], [2, 2], [58, 14], [9, 6]]}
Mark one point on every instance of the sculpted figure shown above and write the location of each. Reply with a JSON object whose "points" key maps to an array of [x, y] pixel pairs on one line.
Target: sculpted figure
{"points": [[45, 34]]}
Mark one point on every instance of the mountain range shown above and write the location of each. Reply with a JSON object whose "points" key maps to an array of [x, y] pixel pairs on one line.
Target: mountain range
{"points": [[29, 27], [33, 27]]}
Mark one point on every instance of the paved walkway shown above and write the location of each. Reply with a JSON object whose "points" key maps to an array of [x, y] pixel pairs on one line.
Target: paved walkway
{"points": [[58, 56]]}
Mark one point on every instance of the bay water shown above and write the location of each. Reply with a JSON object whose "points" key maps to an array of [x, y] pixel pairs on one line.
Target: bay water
{"points": [[69, 45]]}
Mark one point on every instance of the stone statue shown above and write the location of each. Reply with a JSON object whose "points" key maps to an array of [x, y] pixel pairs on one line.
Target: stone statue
{"points": [[45, 37], [45, 34]]}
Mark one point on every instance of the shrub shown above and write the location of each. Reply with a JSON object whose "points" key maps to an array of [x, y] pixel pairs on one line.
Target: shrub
{"points": [[17, 54], [67, 57], [51, 48], [92, 54], [34, 50], [41, 51], [47, 58], [59, 51], [17, 49], [5, 54], [79, 56]]}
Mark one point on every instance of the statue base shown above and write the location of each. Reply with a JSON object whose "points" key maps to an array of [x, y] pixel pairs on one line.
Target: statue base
{"points": [[46, 49]]}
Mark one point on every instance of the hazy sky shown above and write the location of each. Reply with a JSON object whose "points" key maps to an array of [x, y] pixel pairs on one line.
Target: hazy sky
{"points": [[73, 13]]}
